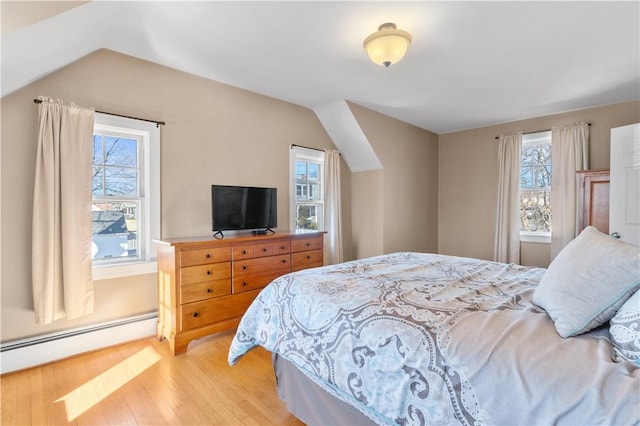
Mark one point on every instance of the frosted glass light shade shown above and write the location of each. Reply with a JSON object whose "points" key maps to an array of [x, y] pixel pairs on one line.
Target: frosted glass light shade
{"points": [[387, 45]]}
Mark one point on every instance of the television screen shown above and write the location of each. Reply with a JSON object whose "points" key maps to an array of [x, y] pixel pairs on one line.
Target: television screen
{"points": [[243, 207]]}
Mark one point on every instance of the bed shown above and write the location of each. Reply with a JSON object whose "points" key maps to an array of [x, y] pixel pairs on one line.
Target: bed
{"points": [[425, 339]]}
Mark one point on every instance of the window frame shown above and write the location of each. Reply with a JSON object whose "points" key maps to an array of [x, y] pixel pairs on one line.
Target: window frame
{"points": [[307, 155], [149, 165], [536, 138]]}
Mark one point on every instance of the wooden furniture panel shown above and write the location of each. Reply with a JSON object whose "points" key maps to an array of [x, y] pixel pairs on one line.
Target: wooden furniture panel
{"points": [[202, 256], [252, 282], [200, 273], [306, 252], [254, 266], [593, 199], [206, 312], [306, 259], [244, 251], [281, 247], [205, 290], [304, 244], [261, 250], [205, 284], [270, 249]]}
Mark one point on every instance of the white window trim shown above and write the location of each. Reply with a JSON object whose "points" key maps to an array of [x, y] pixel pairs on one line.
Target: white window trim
{"points": [[536, 138], [535, 237], [299, 152], [151, 136], [529, 236]]}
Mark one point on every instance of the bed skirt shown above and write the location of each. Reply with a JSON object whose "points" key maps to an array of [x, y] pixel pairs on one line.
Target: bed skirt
{"points": [[309, 402]]}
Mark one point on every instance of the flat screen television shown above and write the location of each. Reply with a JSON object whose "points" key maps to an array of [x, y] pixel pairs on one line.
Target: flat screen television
{"points": [[243, 208]]}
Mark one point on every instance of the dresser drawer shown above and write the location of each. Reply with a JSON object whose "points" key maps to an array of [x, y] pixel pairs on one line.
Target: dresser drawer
{"points": [[256, 281], [270, 249], [306, 259], [282, 247], [261, 250], [202, 256], [198, 314], [201, 273], [243, 252], [206, 290], [261, 264], [306, 244]]}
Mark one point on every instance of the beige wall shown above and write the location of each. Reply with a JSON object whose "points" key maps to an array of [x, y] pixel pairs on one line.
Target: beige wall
{"points": [[367, 204], [406, 188], [468, 176], [18, 14], [214, 133]]}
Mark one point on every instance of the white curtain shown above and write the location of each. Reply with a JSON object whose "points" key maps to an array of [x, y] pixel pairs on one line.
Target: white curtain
{"points": [[61, 239], [507, 238], [332, 217], [569, 153]]}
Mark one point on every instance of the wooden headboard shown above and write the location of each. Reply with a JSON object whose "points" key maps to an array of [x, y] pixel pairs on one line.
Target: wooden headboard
{"points": [[593, 199]]}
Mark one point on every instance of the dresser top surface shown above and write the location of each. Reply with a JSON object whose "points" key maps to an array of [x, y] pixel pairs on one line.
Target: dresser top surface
{"points": [[239, 238]]}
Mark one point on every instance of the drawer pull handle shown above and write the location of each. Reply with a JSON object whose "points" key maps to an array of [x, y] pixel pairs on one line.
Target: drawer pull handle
{"points": [[264, 249], [244, 267], [284, 260], [208, 256], [308, 244], [195, 314], [244, 284], [208, 290], [283, 247], [308, 257], [208, 272], [244, 252]]}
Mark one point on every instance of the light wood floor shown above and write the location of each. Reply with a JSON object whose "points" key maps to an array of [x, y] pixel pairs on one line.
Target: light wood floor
{"points": [[142, 383]]}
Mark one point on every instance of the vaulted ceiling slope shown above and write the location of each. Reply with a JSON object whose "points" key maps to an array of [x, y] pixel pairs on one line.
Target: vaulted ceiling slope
{"points": [[471, 64]]}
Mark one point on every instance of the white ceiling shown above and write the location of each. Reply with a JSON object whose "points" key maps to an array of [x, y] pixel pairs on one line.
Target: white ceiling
{"points": [[471, 64]]}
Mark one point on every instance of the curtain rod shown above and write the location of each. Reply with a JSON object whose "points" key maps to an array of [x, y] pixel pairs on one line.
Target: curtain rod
{"points": [[307, 147], [538, 131], [158, 123], [313, 149]]}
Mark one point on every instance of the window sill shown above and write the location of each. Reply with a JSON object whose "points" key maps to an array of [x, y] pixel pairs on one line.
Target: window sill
{"points": [[535, 237], [105, 272]]}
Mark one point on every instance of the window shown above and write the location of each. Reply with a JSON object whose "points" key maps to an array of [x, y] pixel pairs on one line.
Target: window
{"points": [[535, 187], [307, 200], [126, 189]]}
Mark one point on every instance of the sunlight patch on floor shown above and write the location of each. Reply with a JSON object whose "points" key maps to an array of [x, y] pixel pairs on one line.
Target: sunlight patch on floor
{"points": [[91, 393]]}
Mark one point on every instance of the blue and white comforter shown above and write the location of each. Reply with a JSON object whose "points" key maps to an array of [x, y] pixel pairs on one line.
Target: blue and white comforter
{"points": [[411, 338]]}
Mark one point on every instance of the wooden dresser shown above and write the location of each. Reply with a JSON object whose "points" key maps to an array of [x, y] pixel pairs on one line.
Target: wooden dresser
{"points": [[205, 285], [593, 199]]}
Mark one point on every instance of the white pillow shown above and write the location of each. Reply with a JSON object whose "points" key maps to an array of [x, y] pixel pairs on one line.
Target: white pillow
{"points": [[588, 281], [624, 329]]}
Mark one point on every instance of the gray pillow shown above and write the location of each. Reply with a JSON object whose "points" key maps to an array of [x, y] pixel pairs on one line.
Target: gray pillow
{"points": [[588, 281], [624, 329]]}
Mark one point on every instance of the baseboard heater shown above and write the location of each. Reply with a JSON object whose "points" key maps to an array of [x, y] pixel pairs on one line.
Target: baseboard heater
{"points": [[37, 350]]}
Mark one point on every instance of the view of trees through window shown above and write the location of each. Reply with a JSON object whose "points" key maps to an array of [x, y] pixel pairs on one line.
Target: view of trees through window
{"points": [[306, 218], [535, 187], [116, 196]]}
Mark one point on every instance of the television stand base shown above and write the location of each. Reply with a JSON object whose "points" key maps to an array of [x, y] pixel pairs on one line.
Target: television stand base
{"points": [[263, 231]]}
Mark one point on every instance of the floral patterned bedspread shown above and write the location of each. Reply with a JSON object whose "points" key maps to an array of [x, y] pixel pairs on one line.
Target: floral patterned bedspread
{"points": [[415, 338]]}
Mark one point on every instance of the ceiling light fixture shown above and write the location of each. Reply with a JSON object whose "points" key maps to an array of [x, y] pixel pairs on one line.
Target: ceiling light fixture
{"points": [[387, 45]]}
